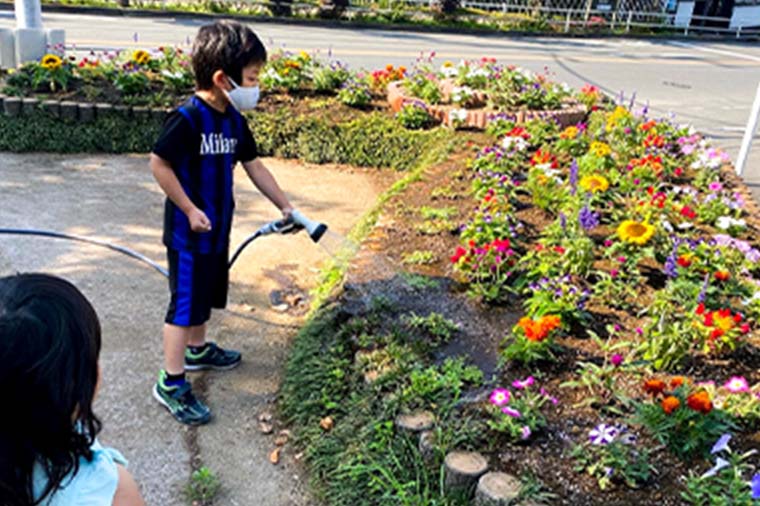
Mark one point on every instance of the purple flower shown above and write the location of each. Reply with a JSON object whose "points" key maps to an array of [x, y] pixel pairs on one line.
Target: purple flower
{"points": [[522, 384], [737, 384], [719, 464], [616, 359], [525, 433], [755, 484], [563, 220], [588, 218], [573, 177], [500, 397], [721, 444], [603, 434], [511, 412], [671, 267]]}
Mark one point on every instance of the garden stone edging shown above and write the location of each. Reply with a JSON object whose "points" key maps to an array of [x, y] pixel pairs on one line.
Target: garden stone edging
{"points": [[83, 112], [479, 118]]}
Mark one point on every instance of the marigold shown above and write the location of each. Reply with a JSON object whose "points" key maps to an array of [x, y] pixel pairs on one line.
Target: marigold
{"points": [[636, 232], [141, 57], [51, 62], [594, 183], [538, 330], [700, 401], [654, 386], [570, 132], [722, 275], [670, 404], [677, 381]]}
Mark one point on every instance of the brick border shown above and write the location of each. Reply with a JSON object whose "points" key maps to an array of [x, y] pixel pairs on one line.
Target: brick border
{"points": [[480, 118]]}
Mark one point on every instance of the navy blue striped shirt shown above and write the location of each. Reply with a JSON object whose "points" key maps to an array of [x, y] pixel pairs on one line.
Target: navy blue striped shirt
{"points": [[203, 146]]}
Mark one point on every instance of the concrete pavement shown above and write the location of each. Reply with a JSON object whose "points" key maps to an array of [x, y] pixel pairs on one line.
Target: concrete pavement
{"points": [[115, 199], [711, 85]]}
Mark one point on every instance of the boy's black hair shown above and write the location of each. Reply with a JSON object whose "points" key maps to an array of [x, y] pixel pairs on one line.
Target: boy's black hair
{"points": [[49, 348], [228, 46]]}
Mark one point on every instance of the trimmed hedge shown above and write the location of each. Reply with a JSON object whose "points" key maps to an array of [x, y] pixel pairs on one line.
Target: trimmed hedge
{"points": [[372, 140]]}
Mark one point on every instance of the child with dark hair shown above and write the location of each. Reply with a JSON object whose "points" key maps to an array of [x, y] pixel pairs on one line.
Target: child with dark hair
{"points": [[49, 376], [193, 162]]}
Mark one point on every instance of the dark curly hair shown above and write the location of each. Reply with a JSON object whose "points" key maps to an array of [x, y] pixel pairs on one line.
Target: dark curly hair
{"points": [[228, 46], [49, 348]]}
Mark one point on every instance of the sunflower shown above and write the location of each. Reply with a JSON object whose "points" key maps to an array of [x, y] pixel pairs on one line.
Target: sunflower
{"points": [[51, 62], [141, 57], [594, 183], [636, 232], [600, 149]]}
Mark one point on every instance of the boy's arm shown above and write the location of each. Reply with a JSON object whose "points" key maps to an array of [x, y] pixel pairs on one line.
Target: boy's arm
{"points": [[167, 180], [265, 182]]}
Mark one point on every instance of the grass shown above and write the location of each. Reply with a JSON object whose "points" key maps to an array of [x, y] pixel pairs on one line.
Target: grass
{"points": [[203, 487]]}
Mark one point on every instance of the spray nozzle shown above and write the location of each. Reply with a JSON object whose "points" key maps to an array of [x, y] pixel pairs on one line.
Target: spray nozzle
{"points": [[315, 229]]}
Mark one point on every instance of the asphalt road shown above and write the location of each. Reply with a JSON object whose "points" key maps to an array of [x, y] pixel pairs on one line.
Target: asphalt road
{"points": [[710, 85]]}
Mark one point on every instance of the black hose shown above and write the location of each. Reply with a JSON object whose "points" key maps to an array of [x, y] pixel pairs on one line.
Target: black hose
{"points": [[245, 243], [96, 242]]}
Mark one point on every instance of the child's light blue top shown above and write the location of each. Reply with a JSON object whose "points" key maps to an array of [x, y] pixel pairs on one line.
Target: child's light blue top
{"points": [[93, 485]]}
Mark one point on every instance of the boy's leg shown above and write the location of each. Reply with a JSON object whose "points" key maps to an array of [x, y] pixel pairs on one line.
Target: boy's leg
{"points": [[201, 354], [172, 390]]}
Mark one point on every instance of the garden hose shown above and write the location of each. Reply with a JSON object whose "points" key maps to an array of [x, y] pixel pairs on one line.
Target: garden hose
{"points": [[293, 223]]}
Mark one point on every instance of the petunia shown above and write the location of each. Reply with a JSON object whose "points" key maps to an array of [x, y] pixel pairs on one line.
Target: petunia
{"points": [[521, 384], [511, 412], [500, 397], [525, 432], [737, 384], [755, 484], [721, 444], [719, 464], [603, 434]]}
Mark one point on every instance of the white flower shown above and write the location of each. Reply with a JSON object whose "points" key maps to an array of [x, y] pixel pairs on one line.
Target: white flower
{"points": [[478, 72], [726, 222], [172, 75], [514, 143], [667, 226], [271, 73], [449, 71], [457, 115], [460, 94]]}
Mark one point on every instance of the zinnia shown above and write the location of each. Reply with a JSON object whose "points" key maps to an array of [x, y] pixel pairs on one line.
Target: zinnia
{"points": [[635, 232]]}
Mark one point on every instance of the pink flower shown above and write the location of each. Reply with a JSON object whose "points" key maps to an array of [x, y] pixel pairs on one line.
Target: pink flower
{"points": [[511, 412], [500, 397], [524, 383], [715, 186], [639, 331], [614, 273], [607, 243], [616, 359], [525, 432], [737, 384]]}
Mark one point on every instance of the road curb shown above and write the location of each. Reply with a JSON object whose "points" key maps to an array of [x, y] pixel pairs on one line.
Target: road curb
{"points": [[340, 24]]}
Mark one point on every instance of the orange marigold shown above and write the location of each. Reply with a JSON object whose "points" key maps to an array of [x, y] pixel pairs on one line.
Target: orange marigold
{"points": [[654, 386], [700, 401], [670, 404], [677, 381]]}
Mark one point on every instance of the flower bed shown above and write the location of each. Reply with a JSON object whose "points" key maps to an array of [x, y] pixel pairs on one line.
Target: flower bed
{"points": [[472, 94]]}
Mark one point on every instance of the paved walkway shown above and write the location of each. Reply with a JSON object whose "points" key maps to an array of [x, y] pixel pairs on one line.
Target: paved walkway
{"points": [[115, 198]]}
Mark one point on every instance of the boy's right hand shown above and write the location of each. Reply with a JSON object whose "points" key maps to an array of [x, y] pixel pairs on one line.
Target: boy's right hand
{"points": [[199, 222]]}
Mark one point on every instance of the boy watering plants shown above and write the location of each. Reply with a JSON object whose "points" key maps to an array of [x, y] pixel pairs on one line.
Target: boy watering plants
{"points": [[193, 162]]}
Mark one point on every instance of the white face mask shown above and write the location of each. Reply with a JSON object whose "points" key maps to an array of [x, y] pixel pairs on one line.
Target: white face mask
{"points": [[243, 98]]}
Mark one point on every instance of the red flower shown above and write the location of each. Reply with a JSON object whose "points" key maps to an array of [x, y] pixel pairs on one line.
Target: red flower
{"points": [[745, 328], [559, 249], [722, 275], [670, 404], [678, 172], [459, 253], [654, 386], [701, 308], [700, 401], [716, 334], [688, 212], [683, 261]]}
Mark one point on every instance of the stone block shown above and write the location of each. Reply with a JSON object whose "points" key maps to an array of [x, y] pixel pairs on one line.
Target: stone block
{"points": [[69, 111], [12, 106]]}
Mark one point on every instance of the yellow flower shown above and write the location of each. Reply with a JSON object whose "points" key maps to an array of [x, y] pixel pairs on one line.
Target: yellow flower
{"points": [[448, 64], [141, 57], [51, 62], [618, 114], [292, 64], [635, 232], [570, 132], [594, 183], [304, 55], [600, 149]]}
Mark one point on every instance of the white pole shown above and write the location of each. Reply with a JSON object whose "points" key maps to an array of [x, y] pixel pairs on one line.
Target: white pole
{"points": [[749, 133], [28, 14]]}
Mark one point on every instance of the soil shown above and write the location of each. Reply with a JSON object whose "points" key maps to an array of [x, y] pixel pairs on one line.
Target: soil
{"points": [[483, 328]]}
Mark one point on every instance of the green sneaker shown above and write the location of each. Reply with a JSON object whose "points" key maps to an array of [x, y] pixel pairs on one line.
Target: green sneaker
{"points": [[181, 402], [213, 357]]}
